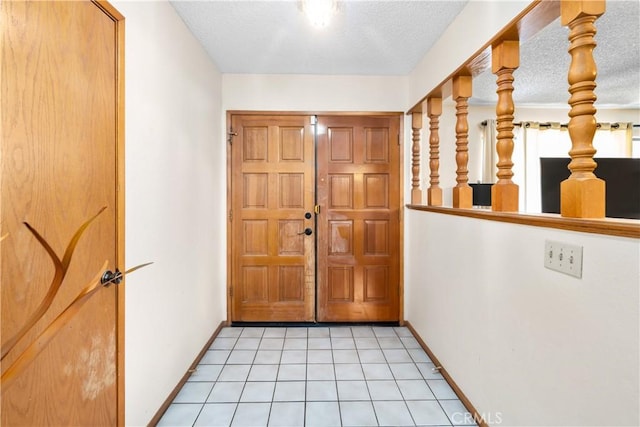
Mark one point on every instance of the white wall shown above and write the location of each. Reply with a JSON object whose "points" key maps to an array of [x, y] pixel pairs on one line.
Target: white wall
{"points": [[527, 345], [458, 44], [175, 181], [313, 93], [539, 347]]}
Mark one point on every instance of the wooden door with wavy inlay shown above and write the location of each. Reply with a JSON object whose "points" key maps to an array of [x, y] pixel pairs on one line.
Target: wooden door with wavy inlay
{"points": [[272, 201], [358, 184], [60, 149]]}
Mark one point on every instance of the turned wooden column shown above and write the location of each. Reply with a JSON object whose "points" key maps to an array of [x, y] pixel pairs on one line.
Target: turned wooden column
{"points": [[505, 58], [434, 111], [416, 125], [582, 195], [462, 192]]}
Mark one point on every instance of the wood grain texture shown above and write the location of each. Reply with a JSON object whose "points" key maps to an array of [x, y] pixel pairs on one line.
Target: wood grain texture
{"points": [[61, 266], [359, 225], [273, 271], [416, 126], [376, 146], [119, 23], [59, 151], [505, 60], [582, 195], [606, 226], [24, 359], [462, 192], [434, 111]]}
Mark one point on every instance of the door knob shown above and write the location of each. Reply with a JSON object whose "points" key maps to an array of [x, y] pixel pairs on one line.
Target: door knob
{"points": [[307, 231], [109, 277]]}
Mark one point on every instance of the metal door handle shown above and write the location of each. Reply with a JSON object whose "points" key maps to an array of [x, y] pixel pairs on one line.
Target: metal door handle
{"points": [[109, 277], [306, 231]]}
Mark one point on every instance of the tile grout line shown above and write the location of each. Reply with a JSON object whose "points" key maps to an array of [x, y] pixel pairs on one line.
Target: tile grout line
{"points": [[262, 339], [404, 400], [273, 393], [367, 383], [235, 411], [214, 384], [305, 380]]}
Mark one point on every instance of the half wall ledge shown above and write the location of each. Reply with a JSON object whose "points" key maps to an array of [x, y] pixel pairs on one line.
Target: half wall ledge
{"points": [[606, 226]]}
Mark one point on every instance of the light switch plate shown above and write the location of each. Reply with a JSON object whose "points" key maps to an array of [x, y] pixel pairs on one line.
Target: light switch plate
{"points": [[563, 257]]}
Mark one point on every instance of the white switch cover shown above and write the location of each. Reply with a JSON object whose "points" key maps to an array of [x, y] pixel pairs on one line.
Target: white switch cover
{"points": [[563, 257]]}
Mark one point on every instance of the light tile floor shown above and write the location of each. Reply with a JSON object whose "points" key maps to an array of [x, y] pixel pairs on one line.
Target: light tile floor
{"points": [[316, 376]]}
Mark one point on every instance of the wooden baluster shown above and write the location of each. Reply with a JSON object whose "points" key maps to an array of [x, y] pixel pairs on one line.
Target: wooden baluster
{"points": [[582, 195], [504, 60], [416, 125], [462, 192], [434, 110]]}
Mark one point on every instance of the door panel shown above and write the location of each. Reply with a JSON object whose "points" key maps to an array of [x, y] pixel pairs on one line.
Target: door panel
{"points": [[358, 187], [273, 271], [59, 168]]}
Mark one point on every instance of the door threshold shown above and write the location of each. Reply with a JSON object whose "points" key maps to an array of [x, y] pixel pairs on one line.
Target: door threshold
{"points": [[310, 324]]}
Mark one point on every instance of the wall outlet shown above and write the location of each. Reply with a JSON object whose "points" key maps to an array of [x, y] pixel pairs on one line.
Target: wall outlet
{"points": [[563, 257]]}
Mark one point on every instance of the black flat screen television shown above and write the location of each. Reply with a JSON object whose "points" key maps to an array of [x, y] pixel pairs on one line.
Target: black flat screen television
{"points": [[622, 177], [481, 194]]}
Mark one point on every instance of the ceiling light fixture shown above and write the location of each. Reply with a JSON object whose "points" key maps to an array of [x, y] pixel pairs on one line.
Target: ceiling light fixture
{"points": [[319, 12]]}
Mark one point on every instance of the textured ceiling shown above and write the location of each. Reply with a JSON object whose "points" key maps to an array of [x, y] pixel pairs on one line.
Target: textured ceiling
{"points": [[544, 63], [390, 37], [274, 37]]}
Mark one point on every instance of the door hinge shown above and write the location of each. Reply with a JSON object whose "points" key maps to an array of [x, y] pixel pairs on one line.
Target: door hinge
{"points": [[230, 215], [230, 291], [230, 135], [316, 209], [398, 139]]}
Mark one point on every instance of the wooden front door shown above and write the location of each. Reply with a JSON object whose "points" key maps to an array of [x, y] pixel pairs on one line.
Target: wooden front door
{"points": [[61, 140], [273, 271], [359, 226], [347, 199]]}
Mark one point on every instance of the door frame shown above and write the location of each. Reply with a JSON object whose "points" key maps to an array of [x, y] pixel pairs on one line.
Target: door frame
{"points": [[227, 141], [119, 22]]}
